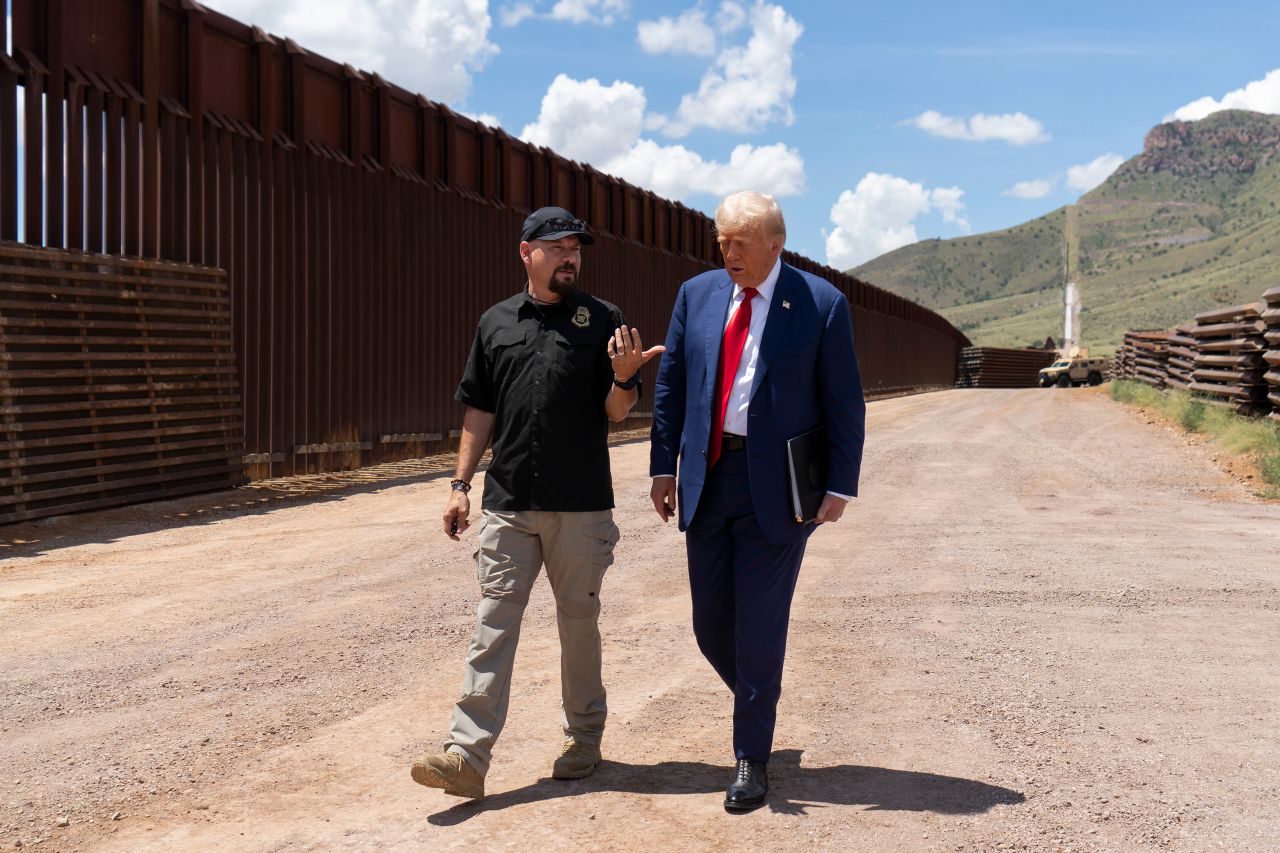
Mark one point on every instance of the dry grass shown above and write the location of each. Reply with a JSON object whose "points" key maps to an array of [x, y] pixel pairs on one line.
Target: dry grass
{"points": [[1256, 440]]}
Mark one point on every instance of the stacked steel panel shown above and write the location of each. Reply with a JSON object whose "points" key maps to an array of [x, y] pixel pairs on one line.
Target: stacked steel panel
{"points": [[995, 367], [1124, 359], [1271, 316], [1229, 365], [1141, 348], [1150, 353], [1181, 357]]}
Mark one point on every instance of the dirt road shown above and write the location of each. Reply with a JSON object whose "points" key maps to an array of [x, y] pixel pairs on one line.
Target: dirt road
{"points": [[1045, 624]]}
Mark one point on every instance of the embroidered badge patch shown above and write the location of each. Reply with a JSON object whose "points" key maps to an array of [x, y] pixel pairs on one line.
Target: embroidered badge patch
{"points": [[582, 318]]}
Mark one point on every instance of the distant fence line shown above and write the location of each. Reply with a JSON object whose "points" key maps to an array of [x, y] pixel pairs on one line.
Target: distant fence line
{"points": [[362, 228]]}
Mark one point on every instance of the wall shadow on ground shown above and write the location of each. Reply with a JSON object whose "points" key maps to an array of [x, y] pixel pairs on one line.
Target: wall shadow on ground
{"points": [[43, 536]]}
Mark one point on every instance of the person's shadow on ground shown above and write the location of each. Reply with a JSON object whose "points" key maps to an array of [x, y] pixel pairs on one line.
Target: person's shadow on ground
{"points": [[792, 789]]}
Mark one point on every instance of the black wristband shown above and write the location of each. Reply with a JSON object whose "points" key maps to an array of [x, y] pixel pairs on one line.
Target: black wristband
{"points": [[629, 384], [460, 486]]}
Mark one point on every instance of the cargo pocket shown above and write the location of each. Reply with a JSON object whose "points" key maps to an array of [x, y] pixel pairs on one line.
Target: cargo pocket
{"points": [[604, 536], [599, 538]]}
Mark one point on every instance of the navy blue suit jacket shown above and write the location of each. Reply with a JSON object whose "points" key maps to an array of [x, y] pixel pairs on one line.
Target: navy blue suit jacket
{"points": [[806, 376]]}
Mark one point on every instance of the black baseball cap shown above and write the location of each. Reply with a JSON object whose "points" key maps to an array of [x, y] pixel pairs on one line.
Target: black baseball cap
{"points": [[552, 223]]}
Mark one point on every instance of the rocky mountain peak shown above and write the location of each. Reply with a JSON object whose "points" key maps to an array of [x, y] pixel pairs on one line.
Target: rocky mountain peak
{"points": [[1231, 141]]}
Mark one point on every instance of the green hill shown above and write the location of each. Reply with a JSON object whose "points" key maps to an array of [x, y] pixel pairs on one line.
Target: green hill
{"points": [[1190, 223]]}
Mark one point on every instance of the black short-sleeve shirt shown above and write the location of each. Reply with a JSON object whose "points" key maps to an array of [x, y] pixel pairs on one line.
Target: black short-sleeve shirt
{"points": [[544, 373]]}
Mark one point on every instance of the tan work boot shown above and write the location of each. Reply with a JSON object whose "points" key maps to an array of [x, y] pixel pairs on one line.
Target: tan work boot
{"points": [[576, 761], [450, 771]]}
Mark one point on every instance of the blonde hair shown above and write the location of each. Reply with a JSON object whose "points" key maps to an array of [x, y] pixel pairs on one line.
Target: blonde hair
{"points": [[748, 210]]}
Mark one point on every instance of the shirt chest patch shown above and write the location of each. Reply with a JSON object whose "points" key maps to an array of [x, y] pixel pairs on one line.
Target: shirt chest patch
{"points": [[581, 317]]}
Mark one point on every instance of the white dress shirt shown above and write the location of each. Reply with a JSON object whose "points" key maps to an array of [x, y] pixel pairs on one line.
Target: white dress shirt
{"points": [[735, 414]]}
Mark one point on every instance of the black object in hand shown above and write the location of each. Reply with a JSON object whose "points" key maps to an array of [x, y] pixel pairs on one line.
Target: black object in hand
{"points": [[807, 460]]}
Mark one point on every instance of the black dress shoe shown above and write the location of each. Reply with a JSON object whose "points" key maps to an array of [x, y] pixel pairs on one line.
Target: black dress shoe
{"points": [[749, 787]]}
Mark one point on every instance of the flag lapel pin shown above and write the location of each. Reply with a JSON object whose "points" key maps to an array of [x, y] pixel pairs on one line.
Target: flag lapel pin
{"points": [[786, 304]]}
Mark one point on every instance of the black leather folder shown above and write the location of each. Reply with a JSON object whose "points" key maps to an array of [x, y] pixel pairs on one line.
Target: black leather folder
{"points": [[807, 473]]}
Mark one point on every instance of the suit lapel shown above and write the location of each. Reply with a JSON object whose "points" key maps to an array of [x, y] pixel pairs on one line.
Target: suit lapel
{"points": [[775, 326], [717, 310]]}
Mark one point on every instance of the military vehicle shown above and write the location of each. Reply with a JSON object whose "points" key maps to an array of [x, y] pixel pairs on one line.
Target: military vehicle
{"points": [[1074, 368]]}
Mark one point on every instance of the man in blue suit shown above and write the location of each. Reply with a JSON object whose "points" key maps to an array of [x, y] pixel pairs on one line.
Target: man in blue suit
{"points": [[757, 353]]}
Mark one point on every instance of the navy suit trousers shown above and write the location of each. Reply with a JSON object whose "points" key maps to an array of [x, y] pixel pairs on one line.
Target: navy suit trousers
{"points": [[741, 586]]}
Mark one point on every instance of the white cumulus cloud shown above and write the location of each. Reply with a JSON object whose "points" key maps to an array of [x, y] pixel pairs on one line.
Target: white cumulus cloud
{"points": [[484, 118], [603, 12], [515, 13], [1030, 189], [588, 11], [1014, 128], [730, 16], [879, 216], [749, 86], [689, 33], [588, 121], [947, 201], [429, 46], [676, 172], [1261, 96], [1086, 176], [602, 125]]}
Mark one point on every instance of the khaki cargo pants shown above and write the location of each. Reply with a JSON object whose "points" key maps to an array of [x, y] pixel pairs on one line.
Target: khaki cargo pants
{"points": [[577, 548]]}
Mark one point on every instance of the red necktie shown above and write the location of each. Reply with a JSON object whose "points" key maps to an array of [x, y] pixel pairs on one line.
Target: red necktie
{"points": [[731, 345]]}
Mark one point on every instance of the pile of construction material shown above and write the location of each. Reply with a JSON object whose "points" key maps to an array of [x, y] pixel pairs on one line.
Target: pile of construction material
{"points": [[1271, 316], [1122, 364], [1229, 365], [1142, 357], [1150, 354], [1180, 357], [995, 367]]}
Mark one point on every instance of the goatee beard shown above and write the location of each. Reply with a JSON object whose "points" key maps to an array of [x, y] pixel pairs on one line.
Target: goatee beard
{"points": [[559, 287]]}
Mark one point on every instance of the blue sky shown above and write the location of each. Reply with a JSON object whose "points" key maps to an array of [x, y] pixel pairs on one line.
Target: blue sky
{"points": [[875, 123]]}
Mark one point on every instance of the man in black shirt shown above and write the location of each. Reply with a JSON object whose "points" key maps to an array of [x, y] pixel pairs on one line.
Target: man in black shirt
{"points": [[548, 369]]}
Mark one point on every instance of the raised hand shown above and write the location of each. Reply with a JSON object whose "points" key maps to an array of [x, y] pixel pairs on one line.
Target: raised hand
{"points": [[627, 354]]}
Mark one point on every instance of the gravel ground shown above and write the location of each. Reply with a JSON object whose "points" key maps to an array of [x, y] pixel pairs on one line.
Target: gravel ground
{"points": [[1045, 624]]}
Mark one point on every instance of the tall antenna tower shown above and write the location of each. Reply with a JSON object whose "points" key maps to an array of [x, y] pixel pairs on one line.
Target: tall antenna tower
{"points": [[1071, 318], [1071, 298]]}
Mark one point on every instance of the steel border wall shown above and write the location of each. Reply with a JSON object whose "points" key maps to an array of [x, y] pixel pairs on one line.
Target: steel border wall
{"points": [[362, 228], [117, 382]]}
